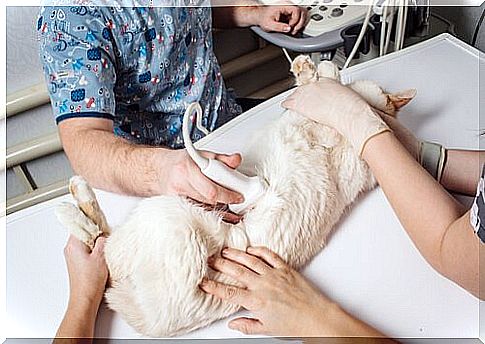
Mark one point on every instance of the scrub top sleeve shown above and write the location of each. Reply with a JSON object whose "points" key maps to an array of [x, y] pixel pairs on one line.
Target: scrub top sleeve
{"points": [[78, 54]]}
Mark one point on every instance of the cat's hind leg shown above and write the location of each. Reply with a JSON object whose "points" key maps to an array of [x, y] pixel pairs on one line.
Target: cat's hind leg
{"points": [[86, 221], [87, 202], [78, 224]]}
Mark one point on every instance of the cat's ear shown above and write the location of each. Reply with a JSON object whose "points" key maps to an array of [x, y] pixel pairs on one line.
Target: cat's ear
{"points": [[400, 99]]}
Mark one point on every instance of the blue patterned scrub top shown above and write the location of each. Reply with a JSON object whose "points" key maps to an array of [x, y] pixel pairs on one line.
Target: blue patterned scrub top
{"points": [[139, 66]]}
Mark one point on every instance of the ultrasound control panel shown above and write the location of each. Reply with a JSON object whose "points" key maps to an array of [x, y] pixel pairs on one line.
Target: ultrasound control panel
{"points": [[324, 16], [327, 19]]}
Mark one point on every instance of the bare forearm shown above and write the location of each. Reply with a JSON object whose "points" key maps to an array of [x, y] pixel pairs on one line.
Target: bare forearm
{"points": [[438, 225], [462, 171], [78, 324], [242, 15], [337, 323], [424, 208], [112, 163]]}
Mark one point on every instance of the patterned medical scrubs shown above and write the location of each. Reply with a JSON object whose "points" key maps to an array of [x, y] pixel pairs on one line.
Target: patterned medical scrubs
{"points": [[139, 66], [478, 210]]}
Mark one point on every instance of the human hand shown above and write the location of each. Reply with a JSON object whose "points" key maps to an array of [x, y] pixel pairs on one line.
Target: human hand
{"points": [[287, 19], [330, 103], [180, 175], [88, 272], [283, 302]]}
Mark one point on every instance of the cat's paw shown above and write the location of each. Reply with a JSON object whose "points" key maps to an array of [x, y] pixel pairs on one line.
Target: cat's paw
{"points": [[86, 201], [237, 237], [78, 224], [328, 69], [304, 70]]}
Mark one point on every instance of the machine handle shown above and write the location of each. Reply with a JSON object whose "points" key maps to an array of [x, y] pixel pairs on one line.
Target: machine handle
{"points": [[325, 42]]}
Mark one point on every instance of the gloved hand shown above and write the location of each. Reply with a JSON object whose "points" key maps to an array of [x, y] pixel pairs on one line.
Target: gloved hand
{"points": [[330, 103]]}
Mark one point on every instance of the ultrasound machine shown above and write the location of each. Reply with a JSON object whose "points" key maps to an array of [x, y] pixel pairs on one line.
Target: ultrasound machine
{"points": [[356, 27]]}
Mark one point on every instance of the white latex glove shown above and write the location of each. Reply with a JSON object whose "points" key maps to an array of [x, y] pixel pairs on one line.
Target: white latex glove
{"points": [[330, 103]]}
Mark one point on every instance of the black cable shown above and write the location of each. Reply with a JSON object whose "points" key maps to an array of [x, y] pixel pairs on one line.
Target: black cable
{"points": [[477, 28]]}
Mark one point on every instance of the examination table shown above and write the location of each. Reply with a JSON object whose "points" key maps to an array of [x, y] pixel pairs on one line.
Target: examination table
{"points": [[370, 266]]}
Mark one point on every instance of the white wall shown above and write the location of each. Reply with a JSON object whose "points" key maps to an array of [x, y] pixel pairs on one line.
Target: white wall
{"points": [[23, 70]]}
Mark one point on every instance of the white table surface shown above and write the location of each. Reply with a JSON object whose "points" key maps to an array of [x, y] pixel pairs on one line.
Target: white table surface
{"points": [[370, 266]]}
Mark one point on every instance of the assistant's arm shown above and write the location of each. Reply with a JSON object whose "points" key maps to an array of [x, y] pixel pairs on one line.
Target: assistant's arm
{"points": [[88, 274], [461, 170], [438, 225]]}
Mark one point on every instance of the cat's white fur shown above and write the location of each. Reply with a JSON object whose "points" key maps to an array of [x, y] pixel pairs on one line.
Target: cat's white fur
{"points": [[158, 257]]}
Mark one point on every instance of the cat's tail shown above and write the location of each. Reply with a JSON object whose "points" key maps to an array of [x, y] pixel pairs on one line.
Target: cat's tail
{"points": [[86, 220]]}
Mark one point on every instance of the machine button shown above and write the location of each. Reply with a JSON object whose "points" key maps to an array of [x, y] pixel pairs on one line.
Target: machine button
{"points": [[323, 8], [343, 5], [309, 8], [317, 17], [337, 12]]}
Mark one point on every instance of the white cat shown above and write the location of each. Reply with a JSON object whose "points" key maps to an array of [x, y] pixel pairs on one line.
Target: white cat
{"points": [[158, 257]]}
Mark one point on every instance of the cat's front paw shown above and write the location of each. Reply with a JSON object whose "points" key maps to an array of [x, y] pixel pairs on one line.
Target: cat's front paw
{"points": [[304, 70], [328, 69]]}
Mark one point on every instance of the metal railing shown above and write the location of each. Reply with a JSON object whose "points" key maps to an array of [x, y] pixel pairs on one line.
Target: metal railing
{"points": [[35, 96]]}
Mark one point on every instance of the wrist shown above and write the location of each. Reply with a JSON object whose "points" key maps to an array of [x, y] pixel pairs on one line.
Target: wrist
{"points": [[84, 306], [160, 162], [367, 126], [247, 15], [329, 321], [374, 143]]}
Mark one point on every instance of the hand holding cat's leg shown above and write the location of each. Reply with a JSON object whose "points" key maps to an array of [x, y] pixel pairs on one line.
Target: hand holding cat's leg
{"points": [[88, 274], [330, 103]]}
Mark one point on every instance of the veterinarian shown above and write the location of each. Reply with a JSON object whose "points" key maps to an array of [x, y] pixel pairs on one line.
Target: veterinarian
{"points": [[120, 79], [450, 237]]}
